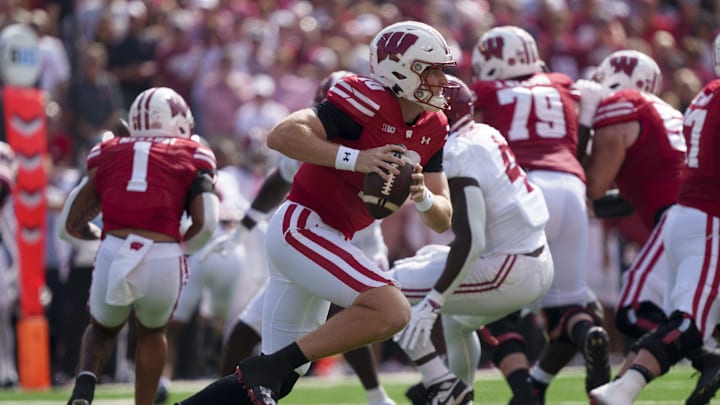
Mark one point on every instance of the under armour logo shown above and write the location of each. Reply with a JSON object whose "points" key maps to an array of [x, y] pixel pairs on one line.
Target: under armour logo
{"points": [[347, 157], [408, 134], [136, 245], [425, 140]]}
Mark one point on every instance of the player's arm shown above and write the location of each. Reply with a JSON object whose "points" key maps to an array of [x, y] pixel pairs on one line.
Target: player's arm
{"points": [[271, 193], [303, 136], [203, 206], [81, 207], [608, 153], [591, 93], [468, 225]]}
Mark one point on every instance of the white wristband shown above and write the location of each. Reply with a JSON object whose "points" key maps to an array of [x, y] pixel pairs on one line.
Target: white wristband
{"points": [[426, 203], [346, 158]]}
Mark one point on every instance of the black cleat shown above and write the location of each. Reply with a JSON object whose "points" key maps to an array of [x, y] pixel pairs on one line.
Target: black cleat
{"points": [[539, 389], [597, 360], [709, 380], [417, 394], [162, 394], [452, 391]]}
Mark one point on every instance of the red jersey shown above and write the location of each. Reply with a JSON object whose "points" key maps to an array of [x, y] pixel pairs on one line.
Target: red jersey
{"points": [[143, 181], [700, 186], [538, 118], [650, 175], [336, 194]]}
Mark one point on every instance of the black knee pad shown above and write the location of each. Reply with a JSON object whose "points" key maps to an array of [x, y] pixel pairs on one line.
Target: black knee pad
{"points": [[672, 340], [506, 334], [638, 320], [556, 319]]}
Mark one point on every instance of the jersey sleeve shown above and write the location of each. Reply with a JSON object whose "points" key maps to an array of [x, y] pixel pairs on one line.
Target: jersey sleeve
{"points": [[204, 160], [358, 97], [617, 108], [93, 157]]}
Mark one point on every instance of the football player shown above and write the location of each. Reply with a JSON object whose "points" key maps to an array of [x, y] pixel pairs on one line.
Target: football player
{"points": [[497, 264], [356, 130], [245, 334], [141, 184], [537, 113], [686, 237]]}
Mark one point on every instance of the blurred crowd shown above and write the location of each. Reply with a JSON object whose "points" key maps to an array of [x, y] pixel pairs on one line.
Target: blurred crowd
{"points": [[245, 64]]}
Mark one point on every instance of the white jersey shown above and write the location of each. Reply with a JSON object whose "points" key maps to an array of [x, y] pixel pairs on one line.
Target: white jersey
{"points": [[516, 209]]}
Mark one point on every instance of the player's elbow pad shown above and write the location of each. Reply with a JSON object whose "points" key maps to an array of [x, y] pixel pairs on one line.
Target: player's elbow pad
{"points": [[211, 216]]}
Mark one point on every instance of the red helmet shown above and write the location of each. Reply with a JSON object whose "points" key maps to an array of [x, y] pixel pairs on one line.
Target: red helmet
{"points": [[461, 101], [328, 82]]}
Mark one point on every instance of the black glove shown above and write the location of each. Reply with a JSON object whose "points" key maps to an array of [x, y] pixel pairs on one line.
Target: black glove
{"points": [[612, 205]]}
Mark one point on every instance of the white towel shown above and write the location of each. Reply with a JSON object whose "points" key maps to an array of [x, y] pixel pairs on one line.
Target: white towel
{"points": [[120, 289]]}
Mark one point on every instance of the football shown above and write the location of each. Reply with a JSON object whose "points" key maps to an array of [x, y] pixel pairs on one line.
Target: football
{"points": [[383, 197]]}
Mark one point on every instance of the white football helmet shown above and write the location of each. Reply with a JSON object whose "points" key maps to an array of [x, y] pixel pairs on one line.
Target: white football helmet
{"points": [[504, 53], [400, 55], [629, 69], [160, 111], [716, 55]]}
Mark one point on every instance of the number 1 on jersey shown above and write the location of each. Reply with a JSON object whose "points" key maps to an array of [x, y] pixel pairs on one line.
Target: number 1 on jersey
{"points": [[138, 181]]}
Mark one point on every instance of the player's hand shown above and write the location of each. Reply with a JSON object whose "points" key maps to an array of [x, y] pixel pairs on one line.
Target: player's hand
{"points": [[422, 319], [380, 160], [591, 93], [418, 191]]}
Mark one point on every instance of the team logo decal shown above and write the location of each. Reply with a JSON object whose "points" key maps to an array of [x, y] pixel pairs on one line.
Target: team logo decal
{"points": [[394, 44]]}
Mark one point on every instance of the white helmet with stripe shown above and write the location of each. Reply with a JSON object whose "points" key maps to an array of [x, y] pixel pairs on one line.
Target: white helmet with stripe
{"points": [[160, 111]]}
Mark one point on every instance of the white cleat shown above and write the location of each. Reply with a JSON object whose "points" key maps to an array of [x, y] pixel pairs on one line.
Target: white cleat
{"points": [[613, 393], [384, 401]]}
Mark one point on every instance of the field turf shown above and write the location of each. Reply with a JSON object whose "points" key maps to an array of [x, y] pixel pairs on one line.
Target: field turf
{"points": [[567, 389]]}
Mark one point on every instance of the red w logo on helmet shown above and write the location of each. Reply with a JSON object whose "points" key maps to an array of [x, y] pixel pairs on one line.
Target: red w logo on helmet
{"points": [[624, 64], [492, 48], [393, 44], [176, 106]]}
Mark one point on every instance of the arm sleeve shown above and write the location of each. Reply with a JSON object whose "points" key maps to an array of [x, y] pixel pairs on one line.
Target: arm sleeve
{"points": [[435, 164], [336, 122]]}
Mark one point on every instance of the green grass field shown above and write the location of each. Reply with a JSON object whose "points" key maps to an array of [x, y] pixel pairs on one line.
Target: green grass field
{"points": [[567, 389]]}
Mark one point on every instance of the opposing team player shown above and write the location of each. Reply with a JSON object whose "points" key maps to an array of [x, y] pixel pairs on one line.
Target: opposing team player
{"points": [[497, 264], [690, 241], [141, 184], [246, 331], [536, 112], [354, 131]]}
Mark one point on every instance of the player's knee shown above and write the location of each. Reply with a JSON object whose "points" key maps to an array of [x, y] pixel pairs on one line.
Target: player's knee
{"points": [[557, 320], [390, 306], [635, 321], [506, 337], [672, 340]]}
